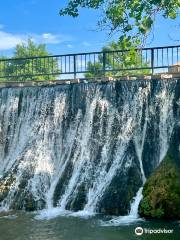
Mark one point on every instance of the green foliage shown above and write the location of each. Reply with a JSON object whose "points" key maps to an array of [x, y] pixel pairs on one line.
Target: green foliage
{"points": [[95, 70], [30, 50], [128, 17], [2, 66], [29, 69], [119, 60], [161, 193]]}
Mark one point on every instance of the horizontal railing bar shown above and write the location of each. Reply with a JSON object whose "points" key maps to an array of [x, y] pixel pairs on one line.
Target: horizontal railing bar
{"points": [[64, 73], [86, 53]]}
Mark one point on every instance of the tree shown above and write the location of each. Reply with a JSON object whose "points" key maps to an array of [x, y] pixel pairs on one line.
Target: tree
{"points": [[2, 66], [131, 18], [119, 60], [23, 66], [94, 69]]}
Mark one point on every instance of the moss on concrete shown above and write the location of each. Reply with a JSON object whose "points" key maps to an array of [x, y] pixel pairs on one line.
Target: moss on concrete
{"points": [[161, 193]]}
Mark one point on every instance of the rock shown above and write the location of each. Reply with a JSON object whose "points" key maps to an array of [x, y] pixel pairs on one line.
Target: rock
{"points": [[161, 193], [117, 199], [123, 187]]}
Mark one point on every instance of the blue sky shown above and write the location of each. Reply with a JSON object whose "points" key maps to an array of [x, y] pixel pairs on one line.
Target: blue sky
{"points": [[40, 20]]}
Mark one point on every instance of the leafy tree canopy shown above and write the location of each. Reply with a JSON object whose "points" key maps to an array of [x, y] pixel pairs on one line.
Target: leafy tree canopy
{"points": [[131, 59], [30, 50], [29, 69], [130, 17]]}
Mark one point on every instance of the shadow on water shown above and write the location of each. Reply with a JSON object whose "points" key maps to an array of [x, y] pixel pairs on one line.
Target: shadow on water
{"points": [[21, 226]]}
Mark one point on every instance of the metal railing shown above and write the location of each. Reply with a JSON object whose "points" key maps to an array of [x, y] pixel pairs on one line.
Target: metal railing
{"points": [[91, 64]]}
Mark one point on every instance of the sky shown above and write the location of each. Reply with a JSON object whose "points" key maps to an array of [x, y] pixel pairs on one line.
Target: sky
{"points": [[40, 20]]}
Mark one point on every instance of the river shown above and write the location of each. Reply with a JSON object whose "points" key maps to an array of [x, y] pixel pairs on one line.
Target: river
{"points": [[21, 226]]}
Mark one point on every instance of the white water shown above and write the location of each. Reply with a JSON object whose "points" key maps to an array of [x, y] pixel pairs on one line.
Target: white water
{"points": [[131, 217], [47, 144], [164, 101]]}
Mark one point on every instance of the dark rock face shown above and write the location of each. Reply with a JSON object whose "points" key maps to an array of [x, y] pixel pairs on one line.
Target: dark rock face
{"points": [[83, 146], [123, 184]]}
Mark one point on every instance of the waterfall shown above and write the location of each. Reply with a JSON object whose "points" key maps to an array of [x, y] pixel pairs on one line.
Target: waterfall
{"points": [[73, 148]]}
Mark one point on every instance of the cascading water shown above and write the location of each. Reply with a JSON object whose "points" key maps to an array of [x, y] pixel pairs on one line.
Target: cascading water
{"points": [[79, 147]]}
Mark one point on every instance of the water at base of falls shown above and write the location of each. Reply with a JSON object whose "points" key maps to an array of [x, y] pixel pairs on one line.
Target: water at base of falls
{"points": [[22, 225], [73, 150], [131, 217], [56, 212], [116, 221]]}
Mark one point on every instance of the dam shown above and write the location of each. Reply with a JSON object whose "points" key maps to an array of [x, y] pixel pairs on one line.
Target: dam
{"points": [[77, 147], [84, 146]]}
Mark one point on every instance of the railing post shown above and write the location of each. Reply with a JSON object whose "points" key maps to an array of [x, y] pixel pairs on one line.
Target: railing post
{"points": [[152, 60], [104, 63], [74, 59]]}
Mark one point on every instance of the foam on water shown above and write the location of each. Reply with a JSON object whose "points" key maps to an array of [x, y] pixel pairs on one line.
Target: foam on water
{"points": [[51, 213], [11, 217]]}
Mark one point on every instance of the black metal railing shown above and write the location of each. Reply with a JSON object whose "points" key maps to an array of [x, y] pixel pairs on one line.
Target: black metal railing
{"points": [[92, 64]]}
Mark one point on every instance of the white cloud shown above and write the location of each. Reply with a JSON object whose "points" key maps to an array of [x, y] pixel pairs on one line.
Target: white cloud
{"points": [[86, 44], [10, 40], [52, 39], [69, 45], [49, 38]]}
